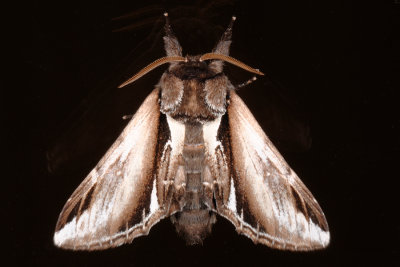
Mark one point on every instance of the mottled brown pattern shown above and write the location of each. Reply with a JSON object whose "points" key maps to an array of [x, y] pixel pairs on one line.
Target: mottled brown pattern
{"points": [[279, 227], [193, 149], [193, 107], [215, 93], [107, 192], [171, 92]]}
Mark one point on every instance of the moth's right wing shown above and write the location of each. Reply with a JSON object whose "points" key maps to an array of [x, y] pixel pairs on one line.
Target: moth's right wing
{"points": [[262, 196], [121, 198]]}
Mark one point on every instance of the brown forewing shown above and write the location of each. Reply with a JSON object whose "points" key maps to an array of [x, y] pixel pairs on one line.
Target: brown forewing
{"points": [[269, 203], [116, 202]]}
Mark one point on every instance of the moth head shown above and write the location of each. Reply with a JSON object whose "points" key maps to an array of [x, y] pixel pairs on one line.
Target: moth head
{"points": [[174, 56]]}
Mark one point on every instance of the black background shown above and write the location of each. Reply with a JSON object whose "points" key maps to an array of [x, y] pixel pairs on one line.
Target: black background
{"points": [[328, 101]]}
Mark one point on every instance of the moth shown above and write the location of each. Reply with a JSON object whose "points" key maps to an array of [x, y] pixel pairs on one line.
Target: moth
{"points": [[193, 150]]}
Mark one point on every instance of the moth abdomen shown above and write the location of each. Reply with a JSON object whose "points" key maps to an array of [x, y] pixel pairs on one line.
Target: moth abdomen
{"points": [[195, 219], [194, 225]]}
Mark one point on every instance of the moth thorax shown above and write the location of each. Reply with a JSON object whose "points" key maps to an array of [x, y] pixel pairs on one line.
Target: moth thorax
{"points": [[194, 226], [194, 99]]}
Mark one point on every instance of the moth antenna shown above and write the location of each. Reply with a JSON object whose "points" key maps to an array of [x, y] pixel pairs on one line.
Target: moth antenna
{"points": [[249, 81], [171, 43], [152, 66], [231, 60]]}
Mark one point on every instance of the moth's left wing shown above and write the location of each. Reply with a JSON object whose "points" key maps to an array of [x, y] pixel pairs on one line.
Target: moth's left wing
{"points": [[262, 196], [120, 198]]}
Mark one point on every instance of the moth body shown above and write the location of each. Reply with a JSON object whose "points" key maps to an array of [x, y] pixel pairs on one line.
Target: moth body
{"points": [[192, 151], [193, 95]]}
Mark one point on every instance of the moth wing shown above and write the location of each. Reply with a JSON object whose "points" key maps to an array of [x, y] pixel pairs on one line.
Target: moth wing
{"points": [[118, 199], [267, 200]]}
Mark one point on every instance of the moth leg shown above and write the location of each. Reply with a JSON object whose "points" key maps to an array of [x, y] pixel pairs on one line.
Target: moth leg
{"points": [[210, 181], [127, 117], [179, 183], [166, 179], [209, 184], [249, 81], [222, 180]]}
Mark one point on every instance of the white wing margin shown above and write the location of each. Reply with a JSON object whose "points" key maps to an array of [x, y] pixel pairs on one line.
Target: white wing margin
{"points": [[118, 199], [267, 201]]}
